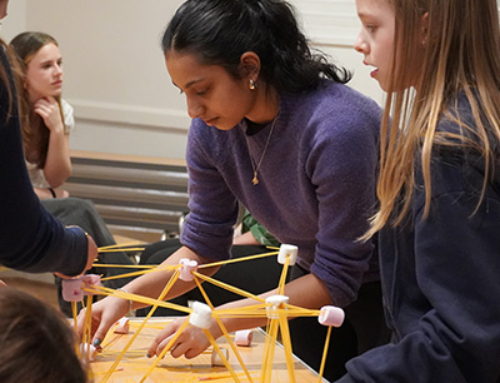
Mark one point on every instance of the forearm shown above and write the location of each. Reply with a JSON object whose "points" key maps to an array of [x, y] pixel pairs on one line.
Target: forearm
{"points": [[57, 167], [307, 292]]}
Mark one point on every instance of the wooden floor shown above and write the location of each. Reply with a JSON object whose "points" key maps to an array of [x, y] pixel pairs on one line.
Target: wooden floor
{"points": [[46, 292]]}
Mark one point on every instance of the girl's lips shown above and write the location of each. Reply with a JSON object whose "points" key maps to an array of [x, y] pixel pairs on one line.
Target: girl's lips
{"points": [[374, 73], [211, 122]]}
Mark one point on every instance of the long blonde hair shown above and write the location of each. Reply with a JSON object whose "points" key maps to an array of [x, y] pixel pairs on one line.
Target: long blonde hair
{"points": [[441, 48], [35, 134]]}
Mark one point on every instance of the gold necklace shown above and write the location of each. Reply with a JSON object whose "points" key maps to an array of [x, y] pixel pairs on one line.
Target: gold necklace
{"points": [[255, 179]]}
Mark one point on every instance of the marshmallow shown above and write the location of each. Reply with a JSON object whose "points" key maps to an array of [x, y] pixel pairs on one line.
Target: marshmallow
{"points": [[286, 251], [275, 303], [201, 315], [216, 358], [243, 338], [188, 265], [88, 350], [331, 316], [72, 288], [123, 326]]}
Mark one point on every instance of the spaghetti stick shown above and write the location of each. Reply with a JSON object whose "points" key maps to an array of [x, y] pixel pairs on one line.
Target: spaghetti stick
{"points": [[170, 343], [138, 298], [228, 261], [137, 273], [121, 250], [136, 334], [325, 354], [268, 356], [282, 282], [287, 344], [116, 246], [125, 266], [221, 355], [229, 287], [224, 330]]}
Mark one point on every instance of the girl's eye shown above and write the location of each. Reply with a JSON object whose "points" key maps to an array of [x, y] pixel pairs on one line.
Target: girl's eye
{"points": [[371, 28], [201, 92]]}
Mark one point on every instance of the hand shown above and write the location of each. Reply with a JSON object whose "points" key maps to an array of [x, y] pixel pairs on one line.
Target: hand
{"points": [[92, 253], [190, 343], [48, 109], [105, 313]]}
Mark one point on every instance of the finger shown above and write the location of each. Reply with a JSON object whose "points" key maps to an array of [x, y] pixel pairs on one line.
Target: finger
{"points": [[80, 322], [180, 349], [164, 343], [101, 332], [160, 342], [2, 283]]}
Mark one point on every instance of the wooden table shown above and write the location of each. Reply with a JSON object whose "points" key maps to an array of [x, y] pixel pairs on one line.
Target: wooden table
{"points": [[135, 365]]}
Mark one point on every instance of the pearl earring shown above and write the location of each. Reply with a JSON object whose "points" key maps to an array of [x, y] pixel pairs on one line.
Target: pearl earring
{"points": [[252, 85]]}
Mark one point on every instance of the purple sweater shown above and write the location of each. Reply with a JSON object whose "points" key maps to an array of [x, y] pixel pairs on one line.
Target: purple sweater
{"points": [[316, 190]]}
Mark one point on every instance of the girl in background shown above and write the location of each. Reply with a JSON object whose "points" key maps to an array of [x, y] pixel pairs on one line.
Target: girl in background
{"points": [[439, 189], [47, 121], [30, 238]]}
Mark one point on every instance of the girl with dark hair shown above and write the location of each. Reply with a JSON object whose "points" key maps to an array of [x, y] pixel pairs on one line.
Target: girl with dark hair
{"points": [[36, 343], [275, 128]]}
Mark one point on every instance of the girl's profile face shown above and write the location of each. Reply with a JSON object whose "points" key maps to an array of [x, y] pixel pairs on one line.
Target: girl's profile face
{"points": [[376, 38], [212, 94], [44, 74]]}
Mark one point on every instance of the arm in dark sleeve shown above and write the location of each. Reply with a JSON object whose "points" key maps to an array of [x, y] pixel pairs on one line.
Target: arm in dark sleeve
{"points": [[457, 264], [30, 238]]}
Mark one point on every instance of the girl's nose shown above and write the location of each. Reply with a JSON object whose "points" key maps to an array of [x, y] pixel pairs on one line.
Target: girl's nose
{"points": [[195, 109], [360, 45]]}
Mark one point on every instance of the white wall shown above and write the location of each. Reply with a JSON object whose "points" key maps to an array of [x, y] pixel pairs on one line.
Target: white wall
{"points": [[15, 21], [115, 75]]}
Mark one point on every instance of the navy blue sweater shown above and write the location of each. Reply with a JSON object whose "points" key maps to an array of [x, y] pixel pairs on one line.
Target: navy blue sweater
{"points": [[441, 280], [30, 238]]}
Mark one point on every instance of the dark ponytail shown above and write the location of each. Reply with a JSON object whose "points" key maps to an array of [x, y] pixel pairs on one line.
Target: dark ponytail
{"points": [[220, 31]]}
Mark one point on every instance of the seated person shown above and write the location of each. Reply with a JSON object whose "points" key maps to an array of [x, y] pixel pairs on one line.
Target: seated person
{"points": [[47, 121]]}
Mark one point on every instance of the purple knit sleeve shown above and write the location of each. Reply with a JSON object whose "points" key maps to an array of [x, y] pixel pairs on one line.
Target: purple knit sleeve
{"points": [[208, 229], [343, 165]]}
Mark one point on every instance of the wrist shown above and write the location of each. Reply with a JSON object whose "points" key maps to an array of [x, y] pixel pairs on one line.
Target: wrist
{"points": [[130, 301]]}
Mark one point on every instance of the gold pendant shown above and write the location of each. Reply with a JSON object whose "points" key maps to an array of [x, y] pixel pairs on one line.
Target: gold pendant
{"points": [[255, 180]]}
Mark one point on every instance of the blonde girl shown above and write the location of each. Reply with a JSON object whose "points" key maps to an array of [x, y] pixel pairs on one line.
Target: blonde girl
{"points": [[439, 189]]}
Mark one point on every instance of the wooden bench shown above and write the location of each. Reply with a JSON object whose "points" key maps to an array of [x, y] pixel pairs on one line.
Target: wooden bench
{"points": [[139, 197]]}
